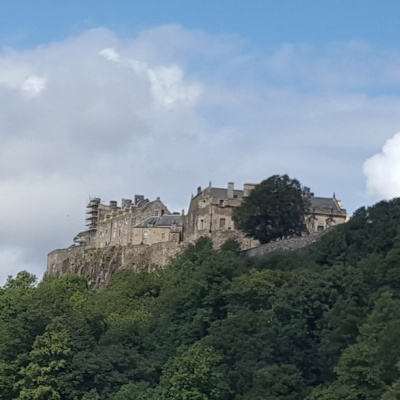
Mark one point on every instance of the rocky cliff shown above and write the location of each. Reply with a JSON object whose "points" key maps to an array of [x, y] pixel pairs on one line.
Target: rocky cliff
{"points": [[99, 265]]}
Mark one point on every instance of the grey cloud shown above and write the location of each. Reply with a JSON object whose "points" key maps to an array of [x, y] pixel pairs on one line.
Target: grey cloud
{"points": [[158, 114]]}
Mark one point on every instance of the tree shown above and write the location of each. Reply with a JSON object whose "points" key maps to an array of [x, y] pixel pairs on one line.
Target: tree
{"points": [[276, 382], [274, 208], [48, 360], [194, 374]]}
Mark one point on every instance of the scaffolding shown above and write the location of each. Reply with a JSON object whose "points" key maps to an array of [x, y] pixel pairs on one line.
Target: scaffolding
{"points": [[92, 212]]}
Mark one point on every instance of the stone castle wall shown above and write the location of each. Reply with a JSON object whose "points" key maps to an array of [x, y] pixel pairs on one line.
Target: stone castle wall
{"points": [[297, 244], [130, 237], [99, 265], [284, 246]]}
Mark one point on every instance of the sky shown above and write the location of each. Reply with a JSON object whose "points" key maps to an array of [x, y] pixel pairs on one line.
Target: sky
{"points": [[114, 98]]}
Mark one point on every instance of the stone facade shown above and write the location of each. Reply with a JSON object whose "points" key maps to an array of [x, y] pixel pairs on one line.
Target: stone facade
{"points": [[111, 225], [210, 215], [325, 213], [143, 233]]}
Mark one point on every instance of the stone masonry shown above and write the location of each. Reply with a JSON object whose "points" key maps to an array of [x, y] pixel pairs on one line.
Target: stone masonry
{"points": [[143, 233]]}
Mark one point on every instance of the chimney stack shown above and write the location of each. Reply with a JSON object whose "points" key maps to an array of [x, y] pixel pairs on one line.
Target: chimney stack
{"points": [[230, 190], [247, 188], [138, 198], [126, 203]]}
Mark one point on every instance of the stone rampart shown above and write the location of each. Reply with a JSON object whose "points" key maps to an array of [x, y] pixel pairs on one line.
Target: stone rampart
{"points": [[291, 245], [297, 244]]}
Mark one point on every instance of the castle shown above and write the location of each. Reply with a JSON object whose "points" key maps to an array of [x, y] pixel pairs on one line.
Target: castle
{"points": [[147, 233]]}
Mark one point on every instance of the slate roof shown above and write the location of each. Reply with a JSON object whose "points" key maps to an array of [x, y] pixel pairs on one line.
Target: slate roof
{"points": [[325, 204], [223, 193], [161, 222]]}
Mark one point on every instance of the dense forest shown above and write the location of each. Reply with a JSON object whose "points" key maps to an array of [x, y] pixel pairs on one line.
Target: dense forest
{"points": [[216, 325]]}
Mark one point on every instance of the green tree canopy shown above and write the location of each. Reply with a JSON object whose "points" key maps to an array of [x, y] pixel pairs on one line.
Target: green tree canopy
{"points": [[274, 208]]}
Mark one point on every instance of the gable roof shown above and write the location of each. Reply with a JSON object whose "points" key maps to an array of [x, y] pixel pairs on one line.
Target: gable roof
{"points": [[326, 204]]}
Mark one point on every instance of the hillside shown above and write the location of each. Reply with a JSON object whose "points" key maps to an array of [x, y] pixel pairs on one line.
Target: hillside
{"points": [[216, 325]]}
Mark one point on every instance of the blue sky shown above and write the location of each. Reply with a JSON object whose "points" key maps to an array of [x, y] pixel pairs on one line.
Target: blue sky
{"points": [[114, 98], [26, 23]]}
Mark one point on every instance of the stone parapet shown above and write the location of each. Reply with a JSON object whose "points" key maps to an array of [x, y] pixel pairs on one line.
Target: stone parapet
{"points": [[298, 244]]}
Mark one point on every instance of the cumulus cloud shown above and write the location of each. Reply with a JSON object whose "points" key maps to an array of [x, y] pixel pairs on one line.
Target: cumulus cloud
{"points": [[383, 170], [109, 54], [32, 86], [160, 114], [166, 82]]}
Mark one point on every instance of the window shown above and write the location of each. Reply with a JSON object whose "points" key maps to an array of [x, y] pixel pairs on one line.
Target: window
{"points": [[201, 224], [221, 203], [320, 228], [156, 213], [145, 234], [222, 223], [163, 236]]}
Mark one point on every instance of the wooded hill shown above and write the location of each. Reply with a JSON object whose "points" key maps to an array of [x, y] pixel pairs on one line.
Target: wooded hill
{"points": [[217, 326]]}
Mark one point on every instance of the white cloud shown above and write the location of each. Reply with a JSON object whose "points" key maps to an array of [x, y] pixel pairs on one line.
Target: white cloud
{"points": [[167, 112], [167, 86], [167, 83], [109, 54], [383, 170], [32, 86]]}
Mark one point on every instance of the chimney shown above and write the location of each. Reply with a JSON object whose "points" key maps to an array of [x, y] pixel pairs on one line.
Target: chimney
{"points": [[138, 198], [199, 190], [113, 205], [247, 188], [230, 190], [126, 203]]}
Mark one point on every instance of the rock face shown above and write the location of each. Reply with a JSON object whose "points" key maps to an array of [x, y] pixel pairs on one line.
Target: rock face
{"points": [[99, 265]]}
